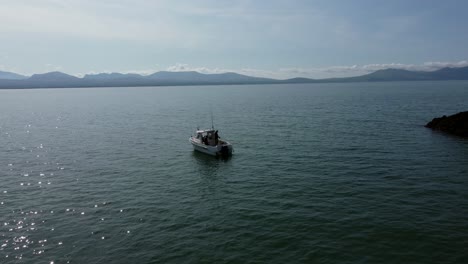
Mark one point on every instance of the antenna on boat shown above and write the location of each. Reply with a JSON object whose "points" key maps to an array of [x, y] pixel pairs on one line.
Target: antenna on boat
{"points": [[212, 125]]}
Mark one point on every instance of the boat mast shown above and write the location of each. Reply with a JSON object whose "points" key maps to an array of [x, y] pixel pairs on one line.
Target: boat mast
{"points": [[212, 125]]}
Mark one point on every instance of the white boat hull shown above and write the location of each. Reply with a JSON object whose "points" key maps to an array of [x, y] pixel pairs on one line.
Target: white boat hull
{"points": [[222, 149]]}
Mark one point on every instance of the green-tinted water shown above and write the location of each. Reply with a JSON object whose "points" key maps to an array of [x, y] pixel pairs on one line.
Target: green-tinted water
{"points": [[328, 173]]}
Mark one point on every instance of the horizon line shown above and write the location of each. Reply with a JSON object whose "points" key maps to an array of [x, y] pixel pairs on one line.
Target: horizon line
{"points": [[279, 74]]}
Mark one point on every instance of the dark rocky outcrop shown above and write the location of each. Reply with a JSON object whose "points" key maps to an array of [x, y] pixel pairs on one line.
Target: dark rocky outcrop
{"points": [[455, 124]]}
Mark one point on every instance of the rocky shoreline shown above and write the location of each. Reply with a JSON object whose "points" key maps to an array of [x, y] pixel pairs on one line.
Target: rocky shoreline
{"points": [[456, 124]]}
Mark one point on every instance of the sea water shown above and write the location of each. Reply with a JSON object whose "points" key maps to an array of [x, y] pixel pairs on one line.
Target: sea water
{"points": [[321, 173]]}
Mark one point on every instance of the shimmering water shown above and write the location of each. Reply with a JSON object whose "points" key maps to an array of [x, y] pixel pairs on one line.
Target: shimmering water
{"points": [[322, 173]]}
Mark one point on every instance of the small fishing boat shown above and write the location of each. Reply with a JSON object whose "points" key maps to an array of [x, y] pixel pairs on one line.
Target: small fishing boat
{"points": [[207, 141]]}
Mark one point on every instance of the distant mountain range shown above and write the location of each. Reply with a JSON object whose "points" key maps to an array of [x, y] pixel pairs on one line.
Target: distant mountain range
{"points": [[11, 76], [9, 80]]}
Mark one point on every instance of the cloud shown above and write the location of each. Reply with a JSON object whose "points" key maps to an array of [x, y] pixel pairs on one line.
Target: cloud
{"points": [[355, 70], [282, 73], [439, 65], [88, 19], [143, 72], [205, 25], [48, 67], [322, 72], [179, 67]]}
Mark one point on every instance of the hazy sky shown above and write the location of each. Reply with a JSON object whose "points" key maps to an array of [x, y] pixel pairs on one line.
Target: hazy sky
{"points": [[272, 38]]}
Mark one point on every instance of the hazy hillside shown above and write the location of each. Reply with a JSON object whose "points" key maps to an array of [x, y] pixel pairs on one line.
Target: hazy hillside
{"points": [[59, 79], [11, 76]]}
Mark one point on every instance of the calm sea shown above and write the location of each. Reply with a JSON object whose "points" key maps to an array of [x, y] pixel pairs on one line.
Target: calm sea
{"points": [[321, 173]]}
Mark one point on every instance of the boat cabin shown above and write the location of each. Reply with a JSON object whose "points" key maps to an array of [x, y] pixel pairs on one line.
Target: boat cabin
{"points": [[208, 137]]}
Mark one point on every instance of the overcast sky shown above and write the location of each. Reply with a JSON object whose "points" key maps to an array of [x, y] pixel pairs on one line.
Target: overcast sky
{"points": [[272, 38]]}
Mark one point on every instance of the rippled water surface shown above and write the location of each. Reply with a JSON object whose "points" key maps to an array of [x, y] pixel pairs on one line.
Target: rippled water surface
{"points": [[322, 173]]}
